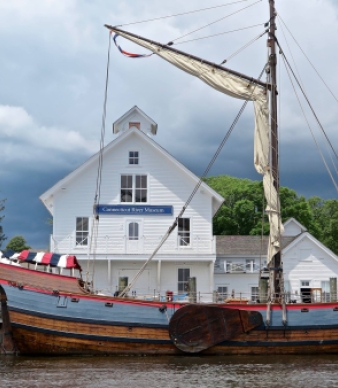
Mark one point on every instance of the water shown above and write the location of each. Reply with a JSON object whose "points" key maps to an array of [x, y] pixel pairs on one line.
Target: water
{"points": [[173, 372]]}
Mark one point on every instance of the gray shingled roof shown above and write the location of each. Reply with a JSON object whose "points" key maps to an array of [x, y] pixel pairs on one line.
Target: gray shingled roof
{"points": [[246, 245]]}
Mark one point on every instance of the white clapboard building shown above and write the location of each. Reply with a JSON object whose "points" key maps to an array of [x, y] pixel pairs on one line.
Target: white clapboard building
{"points": [[308, 266], [143, 190]]}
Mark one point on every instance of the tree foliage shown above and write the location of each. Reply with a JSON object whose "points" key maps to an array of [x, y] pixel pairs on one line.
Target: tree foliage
{"points": [[2, 235], [17, 244], [242, 212]]}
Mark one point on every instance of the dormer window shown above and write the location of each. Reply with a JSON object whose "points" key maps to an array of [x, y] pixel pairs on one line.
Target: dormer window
{"points": [[134, 124], [133, 157]]}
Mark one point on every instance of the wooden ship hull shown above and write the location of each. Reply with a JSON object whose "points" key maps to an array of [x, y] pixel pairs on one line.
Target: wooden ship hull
{"points": [[50, 314]]}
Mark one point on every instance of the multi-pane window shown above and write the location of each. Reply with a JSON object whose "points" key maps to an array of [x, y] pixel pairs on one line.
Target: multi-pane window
{"points": [[134, 188], [140, 188], [183, 276], [133, 157], [254, 294], [326, 291], [82, 231], [183, 232], [222, 293], [133, 231]]}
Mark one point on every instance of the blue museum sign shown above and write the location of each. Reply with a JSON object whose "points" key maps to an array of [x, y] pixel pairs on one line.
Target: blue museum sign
{"points": [[144, 210]]}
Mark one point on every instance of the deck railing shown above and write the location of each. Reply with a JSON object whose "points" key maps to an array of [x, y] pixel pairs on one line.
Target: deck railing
{"points": [[241, 267], [216, 297], [67, 244]]}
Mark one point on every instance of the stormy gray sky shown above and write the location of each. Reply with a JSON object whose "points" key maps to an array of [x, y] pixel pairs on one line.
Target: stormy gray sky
{"points": [[52, 77]]}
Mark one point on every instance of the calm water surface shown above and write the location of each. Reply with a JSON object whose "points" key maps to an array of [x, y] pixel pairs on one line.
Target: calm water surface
{"points": [[185, 372]]}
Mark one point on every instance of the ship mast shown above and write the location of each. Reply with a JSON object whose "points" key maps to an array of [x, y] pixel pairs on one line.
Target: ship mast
{"points": [[275, 263]]}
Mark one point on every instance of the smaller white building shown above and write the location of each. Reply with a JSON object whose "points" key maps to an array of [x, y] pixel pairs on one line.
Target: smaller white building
{"points": [[308, 265], [143, 190]]}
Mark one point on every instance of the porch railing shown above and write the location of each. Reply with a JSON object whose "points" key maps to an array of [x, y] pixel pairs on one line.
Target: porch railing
{"points": [[122, 245]]}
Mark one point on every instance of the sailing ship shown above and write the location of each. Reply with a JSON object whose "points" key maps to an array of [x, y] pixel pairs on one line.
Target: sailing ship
{"points": [[57, 314]]}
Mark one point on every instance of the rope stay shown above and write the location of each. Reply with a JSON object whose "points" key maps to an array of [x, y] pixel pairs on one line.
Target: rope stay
{"points": [[181, 14], [220, 33], [214, 22], [307, 58], [290, 71], [244, 47], [301, 82], [95, 218], [173, 226], [307, 99]]}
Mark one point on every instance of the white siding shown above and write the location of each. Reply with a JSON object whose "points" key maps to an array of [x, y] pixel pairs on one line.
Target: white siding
{"points": [[166, 186], [307, 260], [168, 183]]}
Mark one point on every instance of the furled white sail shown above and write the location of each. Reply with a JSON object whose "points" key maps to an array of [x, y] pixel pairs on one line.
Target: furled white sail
{"points": [[235, 86]]}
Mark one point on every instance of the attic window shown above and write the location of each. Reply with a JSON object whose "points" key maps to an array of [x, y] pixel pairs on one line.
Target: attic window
{"points": [[134, 124], [133, 157]]}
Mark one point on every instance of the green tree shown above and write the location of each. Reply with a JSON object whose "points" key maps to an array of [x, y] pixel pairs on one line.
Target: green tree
{"points": [[325, 213], [17, 244], [2, 235], [242, 212]]}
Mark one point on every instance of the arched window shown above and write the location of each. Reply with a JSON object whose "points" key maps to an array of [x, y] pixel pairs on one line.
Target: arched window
{"points": [[133, 231]]}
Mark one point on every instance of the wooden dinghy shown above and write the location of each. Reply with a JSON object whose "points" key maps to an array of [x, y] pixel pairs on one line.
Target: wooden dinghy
{"points": [[197, 327]]}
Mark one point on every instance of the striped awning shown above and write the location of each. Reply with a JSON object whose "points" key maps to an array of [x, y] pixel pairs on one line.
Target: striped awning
{"points": [[44, 258]]}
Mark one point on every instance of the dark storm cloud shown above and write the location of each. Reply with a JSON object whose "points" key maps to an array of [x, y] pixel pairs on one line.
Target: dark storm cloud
{"points": [[52, 77]]}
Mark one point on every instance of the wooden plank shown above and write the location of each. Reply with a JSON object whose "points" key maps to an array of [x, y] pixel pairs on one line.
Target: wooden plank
{"points": [[75, 327], [23, 277]]}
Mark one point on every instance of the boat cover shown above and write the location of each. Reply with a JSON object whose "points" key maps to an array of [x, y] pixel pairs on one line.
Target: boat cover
{"points": [[44, 258]]}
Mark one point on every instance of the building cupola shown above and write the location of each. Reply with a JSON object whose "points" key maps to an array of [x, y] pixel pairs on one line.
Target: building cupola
{"points": [[135, 118]]}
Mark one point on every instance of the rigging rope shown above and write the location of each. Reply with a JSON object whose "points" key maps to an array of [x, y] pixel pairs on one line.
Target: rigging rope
{"points": [[220, 33], [95, 222], [214, 22], [308, 124], [300, 80], [181, 14], [333, 95], [245, 46], [307, 99], [173, 226]]}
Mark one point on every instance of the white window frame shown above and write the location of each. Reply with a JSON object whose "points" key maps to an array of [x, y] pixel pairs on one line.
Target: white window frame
{"points": [[305, 285], [254, 293], [134, 236], [184, 235], [184, 283], [326, 290], [134, 160], [133, 188], [127, 222], [82, 231], [221, 295]]}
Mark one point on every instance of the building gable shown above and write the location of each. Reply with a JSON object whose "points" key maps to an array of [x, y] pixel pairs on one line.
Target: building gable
{"points": [[131, 138], [293, 228]]}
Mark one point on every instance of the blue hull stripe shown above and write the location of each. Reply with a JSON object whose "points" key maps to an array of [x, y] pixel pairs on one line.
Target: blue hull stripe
{"points": [[89, 336], [157, 326], [84, 320]]}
